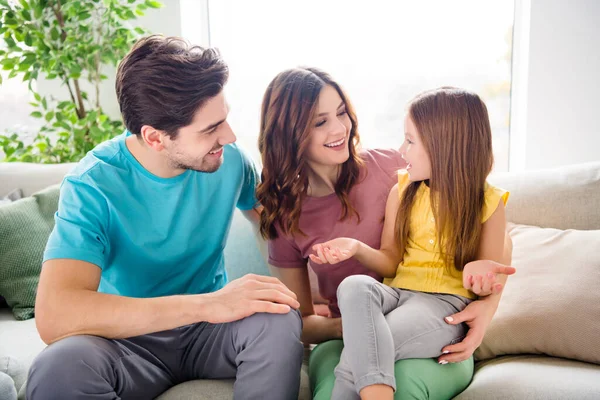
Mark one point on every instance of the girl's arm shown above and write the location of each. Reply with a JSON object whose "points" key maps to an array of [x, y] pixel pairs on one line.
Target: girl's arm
{"points": [[488, 275], [383, 261], [316, 328]]}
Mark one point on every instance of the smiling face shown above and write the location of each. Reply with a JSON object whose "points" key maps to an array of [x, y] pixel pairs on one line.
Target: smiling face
{"points": [[199, 145], [329, 136], [414, 153]]}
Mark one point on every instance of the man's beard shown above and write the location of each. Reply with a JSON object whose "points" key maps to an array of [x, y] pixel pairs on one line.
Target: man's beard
{"points": [[201, 166]]}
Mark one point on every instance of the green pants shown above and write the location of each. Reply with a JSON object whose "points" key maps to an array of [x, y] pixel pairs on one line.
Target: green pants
{"points": [[415, 378]]}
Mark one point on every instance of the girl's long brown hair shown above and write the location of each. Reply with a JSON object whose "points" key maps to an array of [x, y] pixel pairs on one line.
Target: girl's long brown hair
{"points": [[288, 115], [454, 127]]}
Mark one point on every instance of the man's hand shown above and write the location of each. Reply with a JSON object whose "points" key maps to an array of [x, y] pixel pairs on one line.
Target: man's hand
{"points": [[334, 251], [249, 295], [481, 277], [477, 315]]}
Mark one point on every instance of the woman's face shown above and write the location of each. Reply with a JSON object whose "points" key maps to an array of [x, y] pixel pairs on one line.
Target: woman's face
{"points": [[328, 143]]}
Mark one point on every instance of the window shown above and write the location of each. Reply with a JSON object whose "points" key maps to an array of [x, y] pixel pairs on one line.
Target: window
{"points": [[382, 53]]}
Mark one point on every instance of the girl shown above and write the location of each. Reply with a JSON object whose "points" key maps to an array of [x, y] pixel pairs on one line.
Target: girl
{"points": [[440, 217], [317, 185]]}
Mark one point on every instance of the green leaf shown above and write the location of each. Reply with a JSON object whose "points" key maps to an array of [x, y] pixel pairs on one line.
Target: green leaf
{"points": [[28, 39], [26, 15], [36, 114], [44, 103], [54, 33], [37, 11], [49, 116], [153, 4], [63, 104], [139, 30]]}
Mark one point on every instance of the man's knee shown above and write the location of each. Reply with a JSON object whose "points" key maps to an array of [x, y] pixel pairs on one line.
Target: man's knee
{"points": [[281, 332], [272, 326], [66, 366]]}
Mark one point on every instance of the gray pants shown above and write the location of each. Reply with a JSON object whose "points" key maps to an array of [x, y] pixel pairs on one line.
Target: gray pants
{"points": [[263, 352], [382, 325]]}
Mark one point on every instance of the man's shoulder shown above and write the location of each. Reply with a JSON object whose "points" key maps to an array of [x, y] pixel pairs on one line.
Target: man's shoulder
{"points": [[236, 159], [98, 163]]}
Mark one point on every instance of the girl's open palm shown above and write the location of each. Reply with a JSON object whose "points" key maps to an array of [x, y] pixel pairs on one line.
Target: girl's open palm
{"points": [[481, 276], [334, 251]]}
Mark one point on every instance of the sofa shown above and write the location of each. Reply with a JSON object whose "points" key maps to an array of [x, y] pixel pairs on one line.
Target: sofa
{"points": [[543, 342]]}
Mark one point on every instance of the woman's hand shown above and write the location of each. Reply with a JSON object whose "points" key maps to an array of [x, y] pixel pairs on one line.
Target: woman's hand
{"points": [[334, 251], [477, 315], [481, 277]]}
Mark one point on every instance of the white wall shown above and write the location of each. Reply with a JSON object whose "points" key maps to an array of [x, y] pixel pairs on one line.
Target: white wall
{"points": [[556, 83]]}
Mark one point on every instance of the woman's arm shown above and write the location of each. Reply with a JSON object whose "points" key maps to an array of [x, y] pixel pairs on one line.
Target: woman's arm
{"points": [[383, 261], [316, 328], [478, 314]]}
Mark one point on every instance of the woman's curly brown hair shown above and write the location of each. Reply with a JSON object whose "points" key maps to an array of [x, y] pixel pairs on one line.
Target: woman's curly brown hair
{"points": [[288, 113]]}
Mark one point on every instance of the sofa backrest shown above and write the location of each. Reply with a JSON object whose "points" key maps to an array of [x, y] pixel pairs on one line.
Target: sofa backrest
{"points": [[562, 198], [30, 178]]}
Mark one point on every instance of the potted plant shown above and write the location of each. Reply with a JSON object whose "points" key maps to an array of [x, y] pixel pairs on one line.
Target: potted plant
{"points": [[72, 41]]}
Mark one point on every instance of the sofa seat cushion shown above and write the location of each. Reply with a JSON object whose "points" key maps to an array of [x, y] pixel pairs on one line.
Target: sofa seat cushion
{"points": [[211, 389], [533, 378], [19, 339]]}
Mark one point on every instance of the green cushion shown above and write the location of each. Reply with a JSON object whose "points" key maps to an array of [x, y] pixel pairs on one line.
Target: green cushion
{"points": [[24, 229], [416, 379]]}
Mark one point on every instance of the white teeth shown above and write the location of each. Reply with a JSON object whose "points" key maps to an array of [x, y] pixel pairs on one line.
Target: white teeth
{"points": [[338, 143]]}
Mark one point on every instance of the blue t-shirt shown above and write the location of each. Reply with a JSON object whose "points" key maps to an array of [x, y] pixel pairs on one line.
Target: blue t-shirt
{"points": [[150, 236]]}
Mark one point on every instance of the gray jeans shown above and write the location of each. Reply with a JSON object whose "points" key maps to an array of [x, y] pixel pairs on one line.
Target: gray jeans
{"points": [[382, 324], [263, 352]]}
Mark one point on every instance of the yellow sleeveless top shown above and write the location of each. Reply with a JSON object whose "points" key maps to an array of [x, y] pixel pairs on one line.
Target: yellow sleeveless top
{"points": [[422, 269]]}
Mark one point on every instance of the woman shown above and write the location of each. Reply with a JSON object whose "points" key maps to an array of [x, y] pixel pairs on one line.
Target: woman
{"points": [[317, 185]]}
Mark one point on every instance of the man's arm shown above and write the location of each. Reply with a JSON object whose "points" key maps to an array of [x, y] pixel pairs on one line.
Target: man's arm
{"points": [[68, 304]]}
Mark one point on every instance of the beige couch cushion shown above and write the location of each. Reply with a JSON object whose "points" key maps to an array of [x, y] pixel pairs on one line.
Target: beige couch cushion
{"points": [[552, 304], [562, 198], [533, 378]]}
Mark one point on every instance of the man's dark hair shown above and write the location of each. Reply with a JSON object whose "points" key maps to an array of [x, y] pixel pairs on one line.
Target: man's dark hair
{"points": [[163, 81]]}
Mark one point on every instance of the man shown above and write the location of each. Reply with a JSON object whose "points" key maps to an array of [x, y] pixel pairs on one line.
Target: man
{"points": [[133, 295]]}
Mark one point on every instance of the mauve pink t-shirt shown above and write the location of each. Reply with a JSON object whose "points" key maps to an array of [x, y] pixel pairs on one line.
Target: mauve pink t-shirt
{"points": [[320, 221]]}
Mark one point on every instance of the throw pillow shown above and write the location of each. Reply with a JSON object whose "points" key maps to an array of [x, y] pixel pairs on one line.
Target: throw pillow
{"points": [[12, 196], [552, 304], [24, 229]]}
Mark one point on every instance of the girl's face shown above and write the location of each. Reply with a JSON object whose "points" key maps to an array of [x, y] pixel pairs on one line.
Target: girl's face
{"points": [[414, 153], [328, 143]]}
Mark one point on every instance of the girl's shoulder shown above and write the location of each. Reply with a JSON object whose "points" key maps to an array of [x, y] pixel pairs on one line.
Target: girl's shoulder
{"points": [[492, 196]]}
